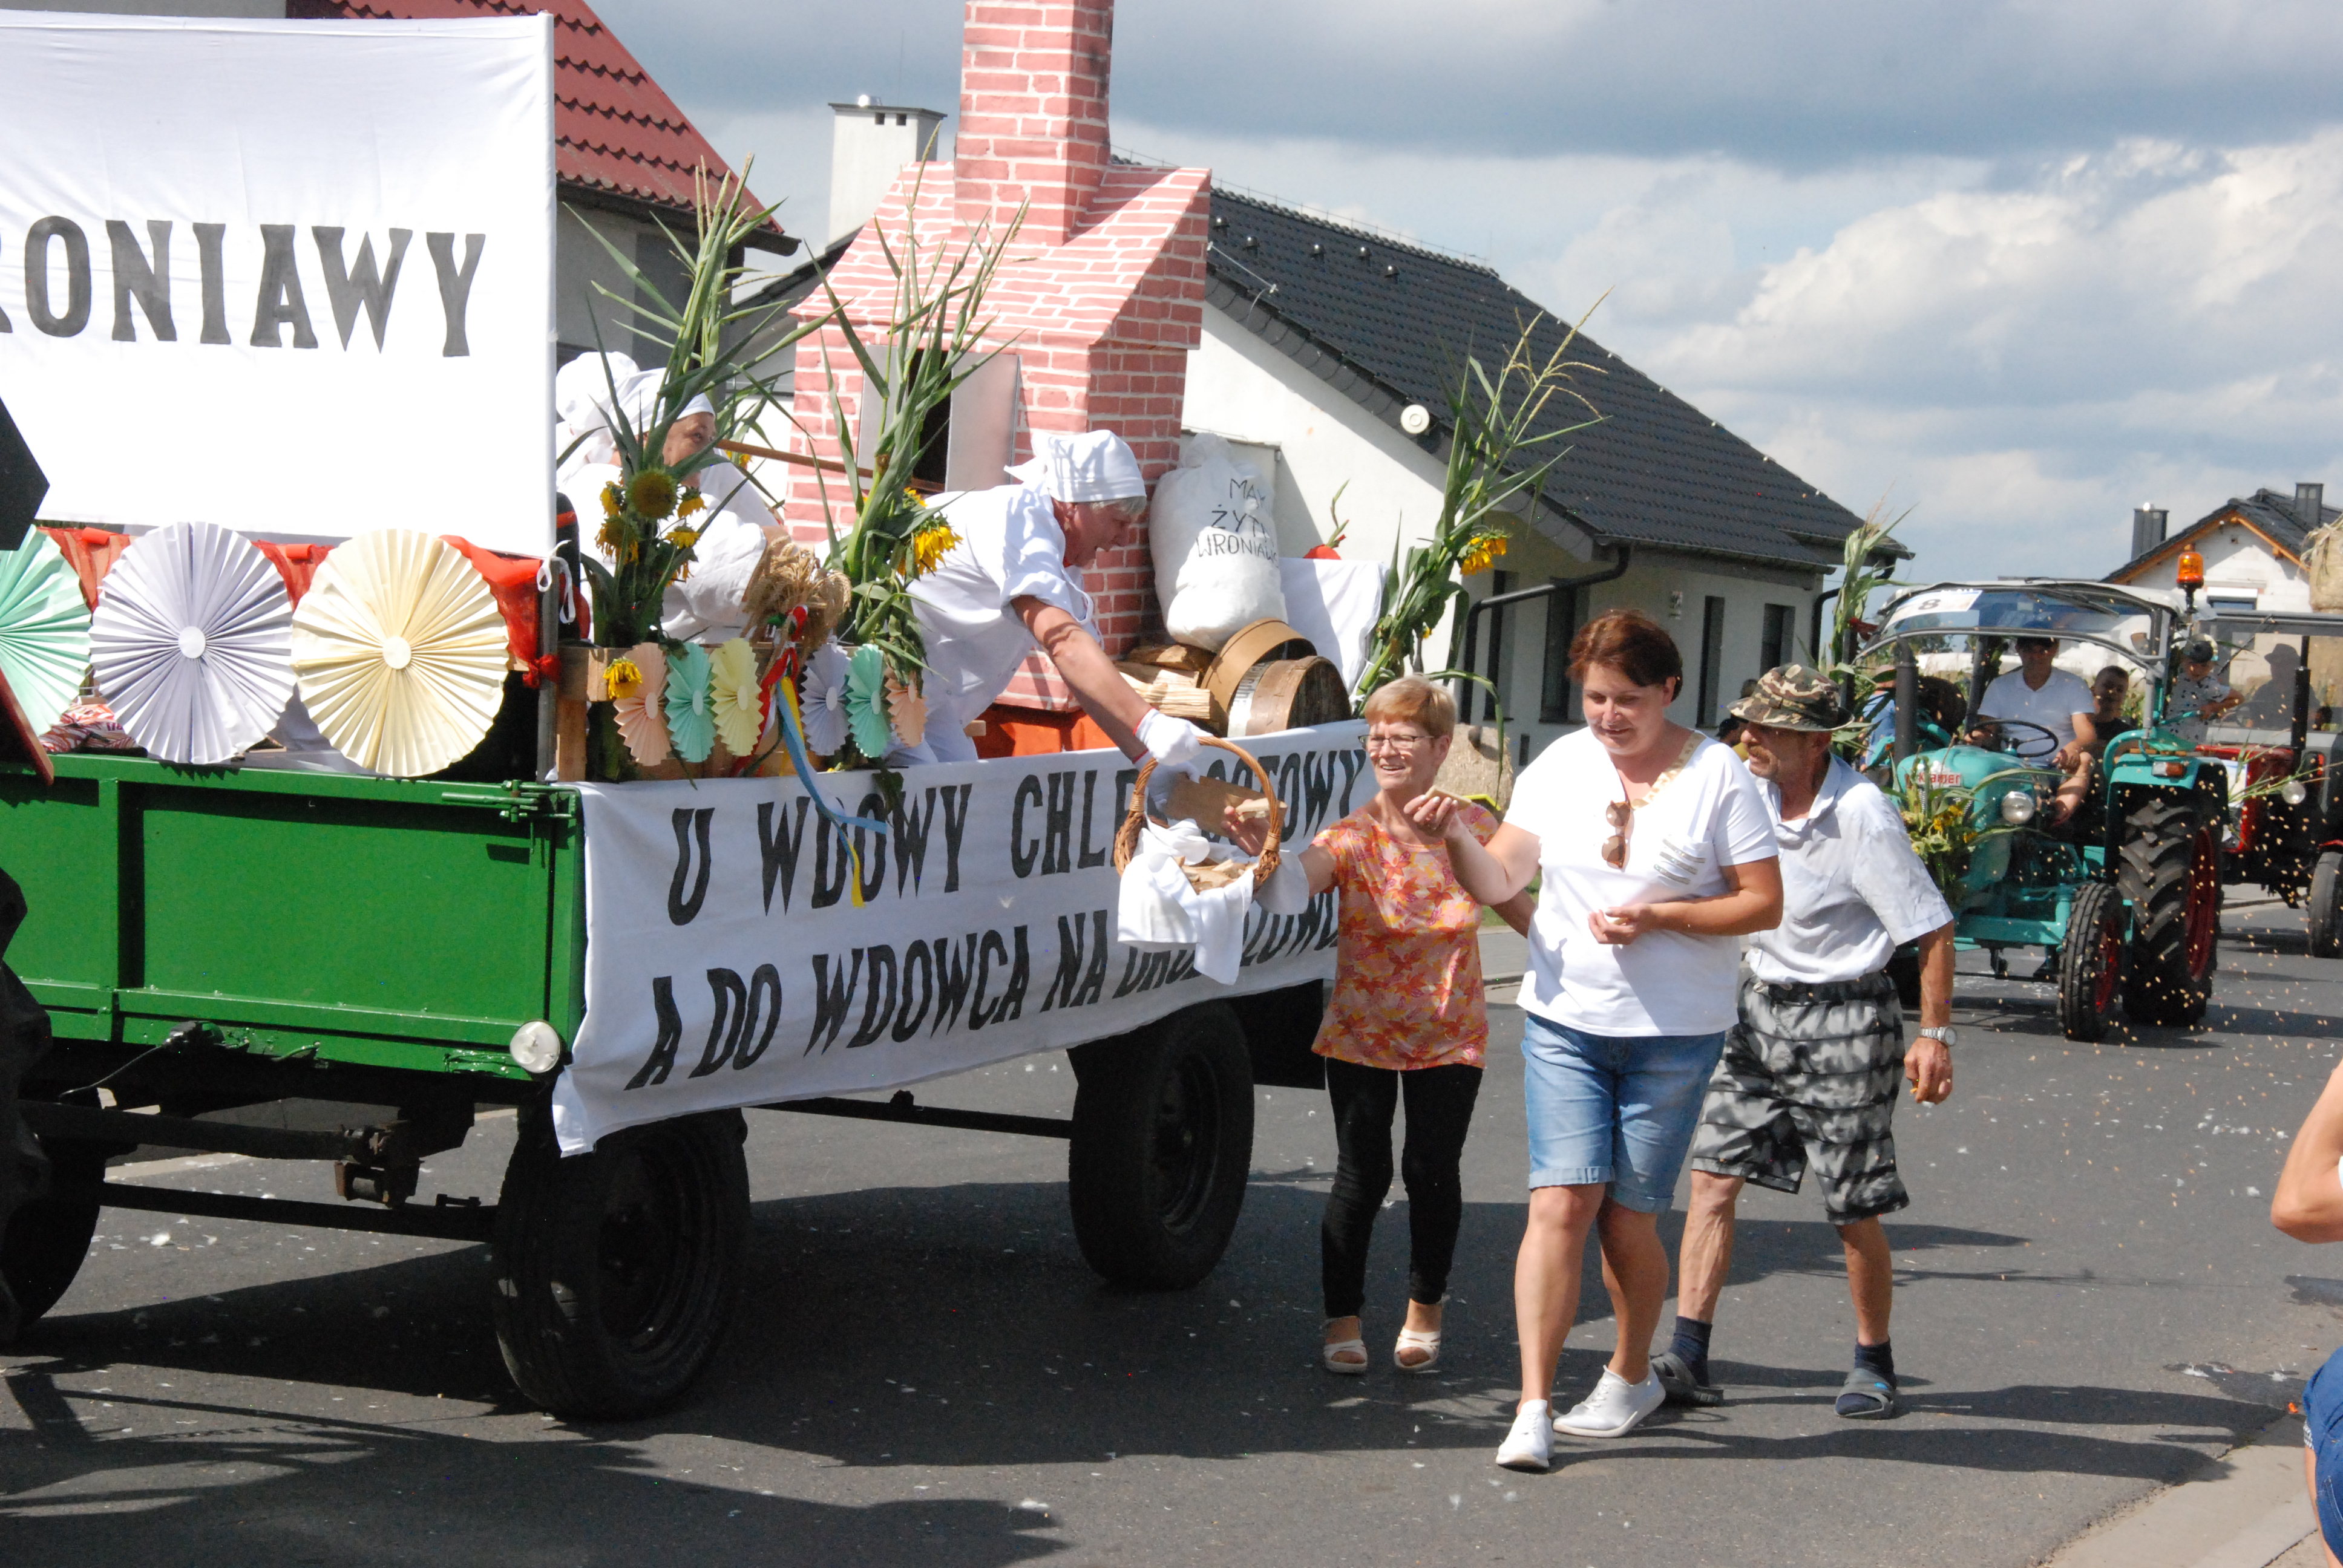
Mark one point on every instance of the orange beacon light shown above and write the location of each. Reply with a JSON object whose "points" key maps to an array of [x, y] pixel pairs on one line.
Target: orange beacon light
{"points": [[2190, 571]]}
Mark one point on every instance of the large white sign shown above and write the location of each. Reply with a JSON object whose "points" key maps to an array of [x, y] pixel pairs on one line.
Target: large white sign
{"points": [[727, 964], [291, 277]]}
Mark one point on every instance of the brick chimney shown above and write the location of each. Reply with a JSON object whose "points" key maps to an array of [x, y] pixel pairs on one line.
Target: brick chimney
{"points": [[1032, 113]]}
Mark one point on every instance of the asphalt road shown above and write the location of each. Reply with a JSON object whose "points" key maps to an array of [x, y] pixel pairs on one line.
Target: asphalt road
{"points": [[2090, 1298]]}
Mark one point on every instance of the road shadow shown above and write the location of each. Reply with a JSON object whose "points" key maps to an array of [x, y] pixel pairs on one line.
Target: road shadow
{"points": [[77, 1495]]}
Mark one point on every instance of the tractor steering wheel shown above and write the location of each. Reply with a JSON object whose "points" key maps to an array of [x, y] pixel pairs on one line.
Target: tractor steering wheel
{"points": [[2040, 748]]}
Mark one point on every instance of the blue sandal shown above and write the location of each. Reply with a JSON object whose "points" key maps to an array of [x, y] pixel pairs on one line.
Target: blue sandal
{"points": [[1866, 1396]]}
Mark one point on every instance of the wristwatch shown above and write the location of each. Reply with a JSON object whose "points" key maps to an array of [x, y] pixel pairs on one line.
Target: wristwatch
{"points": [[1944, 1034]]}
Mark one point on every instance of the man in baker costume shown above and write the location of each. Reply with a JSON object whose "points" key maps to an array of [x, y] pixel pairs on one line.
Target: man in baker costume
{"points": [[734, 531], [1014, 583]]}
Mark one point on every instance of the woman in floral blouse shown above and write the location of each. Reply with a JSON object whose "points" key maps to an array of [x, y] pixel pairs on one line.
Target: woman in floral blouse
{"points": [[1407, 1021]]}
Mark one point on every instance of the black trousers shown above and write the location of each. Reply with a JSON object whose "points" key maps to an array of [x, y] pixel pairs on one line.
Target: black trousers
{"points": [[1439, 1114]]}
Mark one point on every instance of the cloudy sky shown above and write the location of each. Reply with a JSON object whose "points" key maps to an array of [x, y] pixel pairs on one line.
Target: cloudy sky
{"points": [[2017, 267]]}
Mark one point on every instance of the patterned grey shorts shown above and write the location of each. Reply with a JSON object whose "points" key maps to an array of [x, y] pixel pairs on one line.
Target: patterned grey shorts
{"points": [[1810, 1076]]}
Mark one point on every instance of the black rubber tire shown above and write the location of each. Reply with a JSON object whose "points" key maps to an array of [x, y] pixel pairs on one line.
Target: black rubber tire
{"points": [[2327, 907], [2090, 962], [2162, 837], [1162, 1149], [1903, 969], [616, 1269], [49, 1236]]}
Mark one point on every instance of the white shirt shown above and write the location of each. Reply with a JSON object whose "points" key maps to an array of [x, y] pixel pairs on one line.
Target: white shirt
{"points": [[2054, 708], [705, 606], [1011, 547], [1852, 889], [1663, 982]]}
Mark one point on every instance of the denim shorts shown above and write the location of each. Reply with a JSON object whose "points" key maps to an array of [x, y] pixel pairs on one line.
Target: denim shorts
{"points": [[1615, 1108], [2322, 1431]]}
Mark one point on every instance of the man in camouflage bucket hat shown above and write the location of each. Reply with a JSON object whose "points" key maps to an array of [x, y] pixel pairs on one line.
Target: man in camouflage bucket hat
{"points": [[1809, 1074]]}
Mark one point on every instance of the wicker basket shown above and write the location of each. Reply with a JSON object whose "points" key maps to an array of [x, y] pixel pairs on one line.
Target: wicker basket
{"points": [[1211, 873]]}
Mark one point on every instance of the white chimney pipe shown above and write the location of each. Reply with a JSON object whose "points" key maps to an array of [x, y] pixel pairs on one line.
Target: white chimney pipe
{"points": [[869, 145]]}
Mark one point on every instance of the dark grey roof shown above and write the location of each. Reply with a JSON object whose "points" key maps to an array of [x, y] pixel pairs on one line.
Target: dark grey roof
{"points": [[2272, 511], [1388, 323]]}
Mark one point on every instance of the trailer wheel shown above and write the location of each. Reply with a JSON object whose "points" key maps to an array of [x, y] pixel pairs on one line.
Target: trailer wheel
{"points": [[616, 1269], [2090, 962], [49, 1236], [1163, 1145], [2170, 874], [2327, 907]]}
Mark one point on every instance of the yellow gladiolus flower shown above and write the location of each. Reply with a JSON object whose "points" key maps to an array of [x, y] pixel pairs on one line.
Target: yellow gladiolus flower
{"points": [[692, 501], [625, 678]]}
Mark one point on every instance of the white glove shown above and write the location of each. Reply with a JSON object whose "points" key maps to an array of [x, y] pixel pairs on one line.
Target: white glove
{"points": [[1287, 890], [1171, 741], [1162, 781]]}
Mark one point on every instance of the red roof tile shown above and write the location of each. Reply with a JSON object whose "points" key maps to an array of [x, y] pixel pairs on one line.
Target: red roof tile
{"points": [[614, 129]]}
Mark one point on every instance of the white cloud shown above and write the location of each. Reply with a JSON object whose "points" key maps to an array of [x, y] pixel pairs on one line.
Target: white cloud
{"points": [[2027, 264]]}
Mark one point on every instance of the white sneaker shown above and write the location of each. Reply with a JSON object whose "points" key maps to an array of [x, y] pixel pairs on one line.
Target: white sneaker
{"points": [[1614, 1409], [1530, 1445]]}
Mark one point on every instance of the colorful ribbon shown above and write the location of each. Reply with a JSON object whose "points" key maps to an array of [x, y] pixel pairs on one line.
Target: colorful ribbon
{"points": [[793, 737]]}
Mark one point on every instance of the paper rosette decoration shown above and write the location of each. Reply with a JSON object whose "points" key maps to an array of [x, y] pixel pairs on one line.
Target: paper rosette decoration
{"points": [[44, 628], [691, 718], [824, 705], [909, 710], [738, 705], [642, 714], [399, 652], [866, 701], [193, 644]]}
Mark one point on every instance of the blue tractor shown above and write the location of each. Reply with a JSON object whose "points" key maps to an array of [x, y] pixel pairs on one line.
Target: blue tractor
{"points": [[2126, 894]]}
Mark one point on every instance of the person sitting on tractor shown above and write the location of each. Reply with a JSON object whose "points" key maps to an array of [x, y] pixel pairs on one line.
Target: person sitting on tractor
{"points": [[2199, 695], [2272, 707], [2043, 699], [2110, 690]]}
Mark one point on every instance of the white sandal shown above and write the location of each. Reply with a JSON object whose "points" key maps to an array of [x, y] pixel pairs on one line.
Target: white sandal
{"points": [[1417, 1340], [1330, 1349]]}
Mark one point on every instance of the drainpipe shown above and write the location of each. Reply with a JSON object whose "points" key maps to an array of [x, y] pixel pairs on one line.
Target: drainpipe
{"points": [[1463, 636]]}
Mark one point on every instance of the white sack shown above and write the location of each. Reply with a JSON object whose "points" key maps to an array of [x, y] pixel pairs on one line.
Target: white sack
{"points": [[1215, 545]]}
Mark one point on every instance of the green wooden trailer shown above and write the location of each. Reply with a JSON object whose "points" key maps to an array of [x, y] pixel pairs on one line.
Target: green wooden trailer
{"points": [[210, 938]]}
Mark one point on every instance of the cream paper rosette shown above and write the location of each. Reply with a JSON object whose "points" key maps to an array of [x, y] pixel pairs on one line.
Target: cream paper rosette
{"points": [[399, 652]]}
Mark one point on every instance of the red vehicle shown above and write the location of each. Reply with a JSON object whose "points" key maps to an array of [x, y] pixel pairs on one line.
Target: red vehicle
{"points": [[2284, 829]]}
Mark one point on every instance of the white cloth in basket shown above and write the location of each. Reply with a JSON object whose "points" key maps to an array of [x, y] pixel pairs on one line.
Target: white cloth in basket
{"points": [[1159, 909]]}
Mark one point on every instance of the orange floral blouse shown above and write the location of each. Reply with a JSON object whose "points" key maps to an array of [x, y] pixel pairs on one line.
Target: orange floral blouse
{"points": [[1407, 957]]}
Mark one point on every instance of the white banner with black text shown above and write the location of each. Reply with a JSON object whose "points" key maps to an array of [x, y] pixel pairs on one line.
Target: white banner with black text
{"points": [[728, 964], [291, 277]]}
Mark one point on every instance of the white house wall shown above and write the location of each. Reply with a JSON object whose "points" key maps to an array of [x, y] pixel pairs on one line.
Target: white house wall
{"points": [[2239, 563]]}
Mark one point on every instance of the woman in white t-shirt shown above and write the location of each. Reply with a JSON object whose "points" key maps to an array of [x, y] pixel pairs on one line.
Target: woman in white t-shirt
{"points": [[1656, 853]]}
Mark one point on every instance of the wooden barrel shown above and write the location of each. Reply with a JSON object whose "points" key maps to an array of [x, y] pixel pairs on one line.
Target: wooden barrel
{"points": [[1249, 648], [1288, 694]]}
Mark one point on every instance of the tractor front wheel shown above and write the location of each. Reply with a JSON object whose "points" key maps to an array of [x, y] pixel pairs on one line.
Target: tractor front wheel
{"points": [[2090, 962], [2327, 907], [2170, 874]]}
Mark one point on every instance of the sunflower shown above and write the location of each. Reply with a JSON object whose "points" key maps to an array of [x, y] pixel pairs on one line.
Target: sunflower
{"points": [[1481, 552], [651, 493], [928, 547], [612, 500], [625, 678], [692, 501], [683, 538]]}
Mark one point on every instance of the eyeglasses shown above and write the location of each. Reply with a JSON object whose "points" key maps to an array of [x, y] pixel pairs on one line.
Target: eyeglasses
{"points": [[1622, 817], [1396, 742]]}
